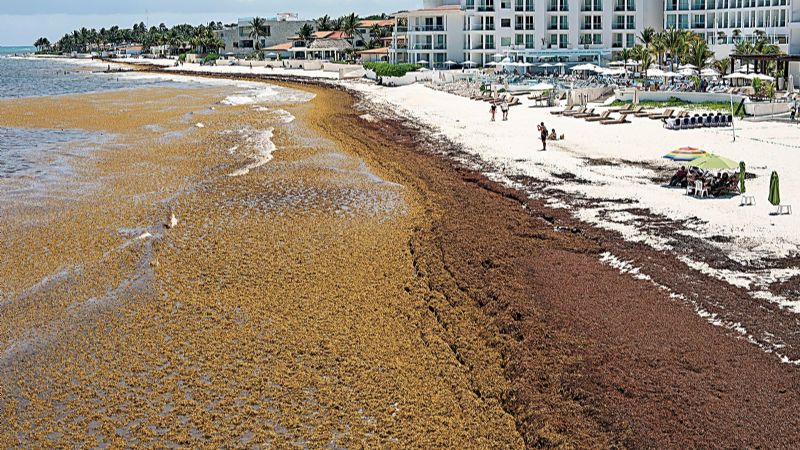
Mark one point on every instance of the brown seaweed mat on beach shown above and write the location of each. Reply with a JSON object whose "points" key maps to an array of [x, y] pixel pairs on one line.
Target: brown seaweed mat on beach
{"points": [[596, 359]]}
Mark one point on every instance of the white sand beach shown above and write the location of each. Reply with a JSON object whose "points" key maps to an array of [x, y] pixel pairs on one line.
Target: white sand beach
{"points": [[627, 154]]}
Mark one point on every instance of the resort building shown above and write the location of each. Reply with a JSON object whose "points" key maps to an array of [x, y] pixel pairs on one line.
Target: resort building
{"points": [[239, 42], [475, 31], [725, 22]]}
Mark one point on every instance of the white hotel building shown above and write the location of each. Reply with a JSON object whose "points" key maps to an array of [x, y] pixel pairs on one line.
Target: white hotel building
{"points": [[720, 21], [533, 30], [578, 30]]}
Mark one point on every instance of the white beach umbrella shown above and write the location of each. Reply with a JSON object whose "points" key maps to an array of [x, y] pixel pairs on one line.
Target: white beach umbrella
{"points": [[506, 60], [655, 73], [422, 62], [499, 55], [559, 64], [450, 63], [736, 76], [709, 73], [491, 64], [761, 76], [746, 68], [584, 67], [470, 63], [688, 66], [672, 75], [546, 65], [688, 72]]}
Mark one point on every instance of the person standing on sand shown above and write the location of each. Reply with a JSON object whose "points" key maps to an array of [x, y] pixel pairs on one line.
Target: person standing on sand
{"points": [[543, 135], [493, 110], [504, 109]]}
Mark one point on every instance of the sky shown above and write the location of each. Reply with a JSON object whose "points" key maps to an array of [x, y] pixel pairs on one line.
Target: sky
{"points": [[24, 21]]}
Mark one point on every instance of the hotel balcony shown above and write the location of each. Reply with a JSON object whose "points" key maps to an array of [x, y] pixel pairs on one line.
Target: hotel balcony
{"points": [[426, 28]]}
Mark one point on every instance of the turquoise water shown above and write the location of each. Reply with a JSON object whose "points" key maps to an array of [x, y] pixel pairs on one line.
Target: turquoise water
{"points": [[13, 50]]}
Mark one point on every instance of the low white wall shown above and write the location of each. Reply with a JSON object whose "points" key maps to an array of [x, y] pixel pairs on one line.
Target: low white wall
{"points": [[692, 97], [405, 80], [766, 109]]}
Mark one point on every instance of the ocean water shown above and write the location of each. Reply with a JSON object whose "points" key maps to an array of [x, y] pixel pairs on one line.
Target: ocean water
{"points": [[35, 153], [16, 50]]}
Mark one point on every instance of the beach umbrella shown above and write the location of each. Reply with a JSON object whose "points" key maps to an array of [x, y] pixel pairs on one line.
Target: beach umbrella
{"points": [[450, 63], [742, 176], [545, 65], [491, 64], [469, 63], [714, 162], [761, 76], [774, 190], [422, 62], [655, 73], [685, 154], [584, 67], [709, 73], [688, 66]]}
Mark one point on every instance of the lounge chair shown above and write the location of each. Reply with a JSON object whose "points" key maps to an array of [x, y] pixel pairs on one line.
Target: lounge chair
{"points": [[636, 110], [642, 113], [599, 117], [667, 114], [558, 113], [625, 108], [515, 101], [622, 119], [583, 115], [572, 113]]}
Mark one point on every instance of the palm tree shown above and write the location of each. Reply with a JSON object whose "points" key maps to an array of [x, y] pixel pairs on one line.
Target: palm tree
{"points": [[350, 28], [624, 55], [744, 48], [722, 65], [336, 24], [258, 28], [674, 40], [645, 61], [647, 36], [324, 23], [306, 33], [737, 34], [699, 53]]}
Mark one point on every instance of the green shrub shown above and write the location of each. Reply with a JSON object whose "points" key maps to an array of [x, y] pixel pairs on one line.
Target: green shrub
{"points": [[211, 57], [182, 57], [384, 69]]}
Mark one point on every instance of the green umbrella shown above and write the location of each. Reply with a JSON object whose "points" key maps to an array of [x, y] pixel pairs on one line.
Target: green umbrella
{"points": [[774, 190], [742, 176], [711, 161]]}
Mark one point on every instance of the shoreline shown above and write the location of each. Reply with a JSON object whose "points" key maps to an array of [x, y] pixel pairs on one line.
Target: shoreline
{"points": [[592, 357]]}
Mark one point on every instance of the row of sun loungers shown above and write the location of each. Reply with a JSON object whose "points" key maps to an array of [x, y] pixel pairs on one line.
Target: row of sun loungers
{"points": [[497, 98], [699, 121], [605, 117]]}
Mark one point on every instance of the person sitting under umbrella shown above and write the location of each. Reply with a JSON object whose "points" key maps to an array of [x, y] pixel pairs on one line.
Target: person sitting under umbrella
{"points": [[679, 179]]}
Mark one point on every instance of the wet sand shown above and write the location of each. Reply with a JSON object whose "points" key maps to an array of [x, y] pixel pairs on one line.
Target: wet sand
{"points": [[438, 309]]}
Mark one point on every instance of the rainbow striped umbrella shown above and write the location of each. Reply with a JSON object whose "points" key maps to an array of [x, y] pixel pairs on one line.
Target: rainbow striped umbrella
{"points": [[685, 154]]}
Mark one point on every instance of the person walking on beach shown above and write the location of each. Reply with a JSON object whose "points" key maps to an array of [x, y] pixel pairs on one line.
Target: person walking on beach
{"points": [[504, 109], [543, 135], [493, 110]]}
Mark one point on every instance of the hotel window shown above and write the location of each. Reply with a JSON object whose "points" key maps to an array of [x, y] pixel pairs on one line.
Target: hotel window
{"points": [[631, 21], [505, 23], [631, 40], [505, 42]]}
